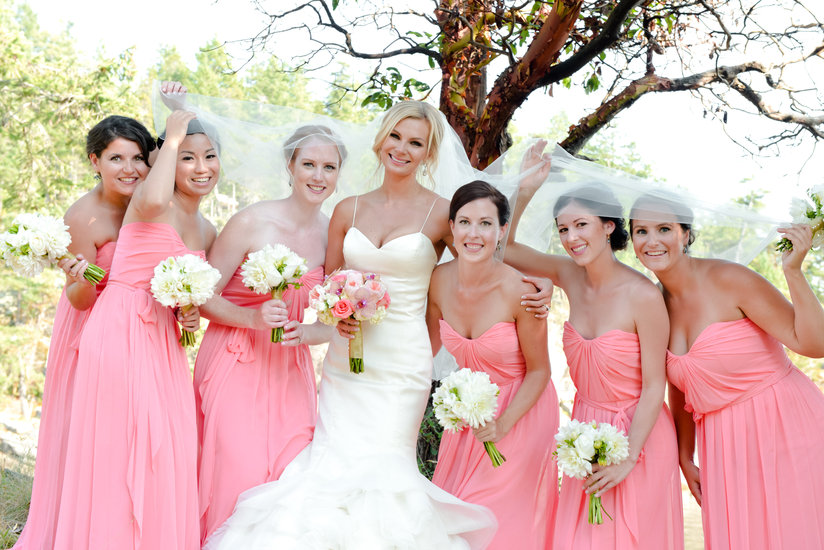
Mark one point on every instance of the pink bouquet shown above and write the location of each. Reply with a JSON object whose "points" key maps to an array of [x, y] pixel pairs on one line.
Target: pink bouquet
{"points": [[350, 294]]}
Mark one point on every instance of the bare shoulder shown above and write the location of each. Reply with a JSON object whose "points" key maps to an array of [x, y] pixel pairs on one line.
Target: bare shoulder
{"points": [[443, 271], [513, 282], [83, 210], [344, 209], [249, 217], [724, 272], [209, 232], [644, 292]]}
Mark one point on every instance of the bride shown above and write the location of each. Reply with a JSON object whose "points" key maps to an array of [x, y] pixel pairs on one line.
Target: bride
{"points": [[357, 486]]}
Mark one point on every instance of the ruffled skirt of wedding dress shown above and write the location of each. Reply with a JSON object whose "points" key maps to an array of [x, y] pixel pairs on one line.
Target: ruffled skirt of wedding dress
{"points": [[357, 485]]}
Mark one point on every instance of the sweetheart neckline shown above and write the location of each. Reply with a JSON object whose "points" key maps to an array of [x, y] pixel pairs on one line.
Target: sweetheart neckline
{"points": [[461, 336], [585, 339], [381, 247], [701, 335]]}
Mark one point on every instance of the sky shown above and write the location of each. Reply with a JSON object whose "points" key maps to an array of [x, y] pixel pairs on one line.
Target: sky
{"points": [[670, 130]]}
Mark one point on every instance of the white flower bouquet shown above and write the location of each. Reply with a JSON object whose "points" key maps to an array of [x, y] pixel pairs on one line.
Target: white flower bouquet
{"points": [[810, 212], [36, 241], [468, 398], [582, 444], [271, 270], [184, 281]]}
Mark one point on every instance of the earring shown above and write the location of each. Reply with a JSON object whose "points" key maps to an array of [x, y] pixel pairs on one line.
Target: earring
{"points": [[98, 177], [686, 249], [607, 238], [498, 246]]}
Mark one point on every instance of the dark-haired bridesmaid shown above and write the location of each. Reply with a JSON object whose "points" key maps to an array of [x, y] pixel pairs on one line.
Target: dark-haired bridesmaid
{"points": [[474, 311], [118, 148], [615, 343], [132, 443]]}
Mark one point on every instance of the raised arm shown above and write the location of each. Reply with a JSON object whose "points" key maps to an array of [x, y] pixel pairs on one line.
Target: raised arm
{"points": [[536, 165], [798, 324], [151, 198]]}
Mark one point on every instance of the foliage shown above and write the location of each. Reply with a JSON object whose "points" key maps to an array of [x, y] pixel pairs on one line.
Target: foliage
{"points": [[429, 438], [484, 59], [49, 100], [15, 497]]}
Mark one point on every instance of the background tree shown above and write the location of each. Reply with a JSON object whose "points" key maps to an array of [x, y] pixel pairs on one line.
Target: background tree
{"points": [[490, 55]]}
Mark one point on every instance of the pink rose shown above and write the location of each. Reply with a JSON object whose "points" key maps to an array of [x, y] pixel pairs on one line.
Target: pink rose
{"points": [[343, 309], [385, 301]]}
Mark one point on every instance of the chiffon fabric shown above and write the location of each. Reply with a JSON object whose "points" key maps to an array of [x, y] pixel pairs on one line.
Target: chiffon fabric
{"points": [[132, 446], [523, 491], [256, 403], [758, 423], [357, 486], [55, 414], [646, 506]]}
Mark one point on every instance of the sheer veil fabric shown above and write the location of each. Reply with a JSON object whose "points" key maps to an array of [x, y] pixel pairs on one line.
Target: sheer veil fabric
{"points": [[725, 230], [250, 137]]}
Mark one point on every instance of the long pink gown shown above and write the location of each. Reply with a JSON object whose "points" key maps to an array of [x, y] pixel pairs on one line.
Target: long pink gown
{"points": [[759, 431], [54, 416], [523, 492], [256, 403], [646, 505], [131, 455]]}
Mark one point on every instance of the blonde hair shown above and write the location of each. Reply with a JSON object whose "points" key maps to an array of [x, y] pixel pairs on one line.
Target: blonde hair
{"points": [[418, 110]]}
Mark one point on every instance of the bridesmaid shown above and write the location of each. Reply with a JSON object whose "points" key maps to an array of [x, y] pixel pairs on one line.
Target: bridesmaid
{"points": [[615, 343], [474, 310], [118, 148], [757, 417], [132, 444], [257, 401]]}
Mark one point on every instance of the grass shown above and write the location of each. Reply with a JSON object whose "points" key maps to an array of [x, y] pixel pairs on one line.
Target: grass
{"points": [[15, 497]]}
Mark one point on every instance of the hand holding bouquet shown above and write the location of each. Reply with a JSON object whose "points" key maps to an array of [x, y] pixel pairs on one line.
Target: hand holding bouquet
{"points": [[580, 445], [36, 241], [271, 270], [351, 294], [184, 281], [807, 212], [468, 398]]}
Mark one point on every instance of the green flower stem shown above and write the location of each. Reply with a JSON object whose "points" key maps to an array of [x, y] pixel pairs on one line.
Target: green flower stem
{"points": [[277, 332], [94, 274], [786, 244], [596, 510], [494, 454], [187, 339], [356, 352]]}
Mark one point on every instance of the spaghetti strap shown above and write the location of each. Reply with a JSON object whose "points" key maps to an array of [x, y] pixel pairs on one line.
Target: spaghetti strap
{"points": [[355, 211], [427, 214]]}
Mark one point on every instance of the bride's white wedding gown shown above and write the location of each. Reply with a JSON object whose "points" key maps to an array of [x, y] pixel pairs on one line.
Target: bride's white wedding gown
{"points": [[357, 486]]}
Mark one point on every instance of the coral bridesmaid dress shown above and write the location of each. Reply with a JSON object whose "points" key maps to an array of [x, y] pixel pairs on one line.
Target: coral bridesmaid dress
{"points": [[646, 505], [759, 422], [54, 416], [523, 492], [256, 403], [132, 447]]}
